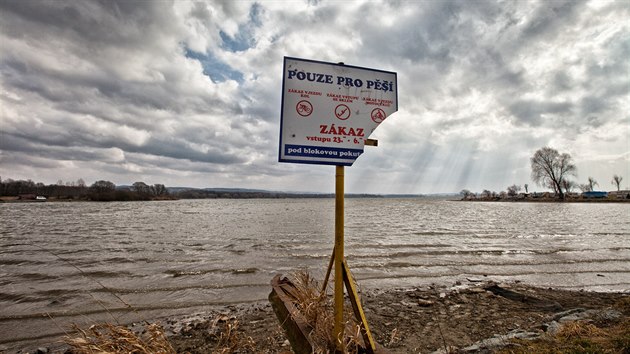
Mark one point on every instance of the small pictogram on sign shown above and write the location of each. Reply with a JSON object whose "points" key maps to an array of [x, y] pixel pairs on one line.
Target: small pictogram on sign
{"points": [[342, 112], [378, 115], [304, 108]]}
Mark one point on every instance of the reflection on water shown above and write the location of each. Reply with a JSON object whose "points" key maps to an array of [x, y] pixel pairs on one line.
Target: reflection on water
{"points": [[81, 262]]}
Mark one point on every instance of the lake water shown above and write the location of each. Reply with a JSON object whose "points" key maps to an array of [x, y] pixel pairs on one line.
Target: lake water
{"points": [[64, 263]]}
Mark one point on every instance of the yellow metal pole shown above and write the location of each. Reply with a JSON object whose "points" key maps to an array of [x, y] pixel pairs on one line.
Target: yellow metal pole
{"points": [[339, 199]]}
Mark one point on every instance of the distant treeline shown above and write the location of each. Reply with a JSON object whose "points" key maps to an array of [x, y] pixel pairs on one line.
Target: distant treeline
{"points": [[108, 191], [235, 194], [98, 191], [245, 194]]}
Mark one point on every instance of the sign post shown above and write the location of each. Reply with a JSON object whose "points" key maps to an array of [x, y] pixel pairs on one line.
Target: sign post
{"points": [[339, 254], [328, 113]]}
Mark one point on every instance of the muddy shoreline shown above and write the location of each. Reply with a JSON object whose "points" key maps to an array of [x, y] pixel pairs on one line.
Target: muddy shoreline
{"points": [[418, 320], [467, 317]]}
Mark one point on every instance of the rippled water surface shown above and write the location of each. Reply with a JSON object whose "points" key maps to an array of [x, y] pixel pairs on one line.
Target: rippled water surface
{"points": [[66, 263]]}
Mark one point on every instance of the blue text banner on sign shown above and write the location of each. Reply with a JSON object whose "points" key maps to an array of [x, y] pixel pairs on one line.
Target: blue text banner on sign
{"points": [[312, 151], [329, 110]]}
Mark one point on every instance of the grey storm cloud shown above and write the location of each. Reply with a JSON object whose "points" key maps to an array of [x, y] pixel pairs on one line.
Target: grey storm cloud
{"points": [[189, 92], [531, 112], [90, 24], [562, 81], [550, 17]]}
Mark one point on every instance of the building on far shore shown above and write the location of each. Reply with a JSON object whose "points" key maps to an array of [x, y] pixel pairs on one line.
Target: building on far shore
{"points": [[622, 194], [40, 198], [595, 194]]}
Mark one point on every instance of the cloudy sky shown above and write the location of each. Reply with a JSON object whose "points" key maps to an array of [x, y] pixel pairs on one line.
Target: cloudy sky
{"points": [[188, 93]]}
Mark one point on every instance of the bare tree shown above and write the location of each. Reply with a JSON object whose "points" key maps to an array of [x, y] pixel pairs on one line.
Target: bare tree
{"points": [[550, 168], [592, 183], [568, 185], [513, 190], [617, 181], [141, 188], [159, 189], [102, 191], [584, 187], [466, 193], [103, 186]]}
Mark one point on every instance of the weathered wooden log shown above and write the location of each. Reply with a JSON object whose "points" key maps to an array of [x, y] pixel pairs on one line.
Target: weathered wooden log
{"points": [[524, 298], [296, 327], [293, 323]]}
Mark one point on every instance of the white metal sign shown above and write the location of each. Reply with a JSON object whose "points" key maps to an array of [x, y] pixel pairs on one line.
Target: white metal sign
{"points": [[329, 110]]}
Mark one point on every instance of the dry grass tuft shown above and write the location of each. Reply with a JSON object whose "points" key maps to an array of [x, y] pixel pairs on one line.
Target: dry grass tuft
{"points": [[318, 310], [578, 329], [579, 337], [394, 337], [623, 305], [225, 330], [107, 338]]}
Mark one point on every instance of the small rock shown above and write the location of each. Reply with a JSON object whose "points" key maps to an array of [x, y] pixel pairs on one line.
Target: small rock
{"points": [[559, 315], [581, 314], [447, 350], [425, 303], [498, 341], [552, 328], [41, 350], [609, 315], [407, 304], [474, 280], [285, 343], [442, 295]]}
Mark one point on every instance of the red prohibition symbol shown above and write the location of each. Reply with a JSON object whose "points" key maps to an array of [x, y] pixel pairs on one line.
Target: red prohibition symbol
{"points": [[304, 108], [342, 112], [378, 115]]}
